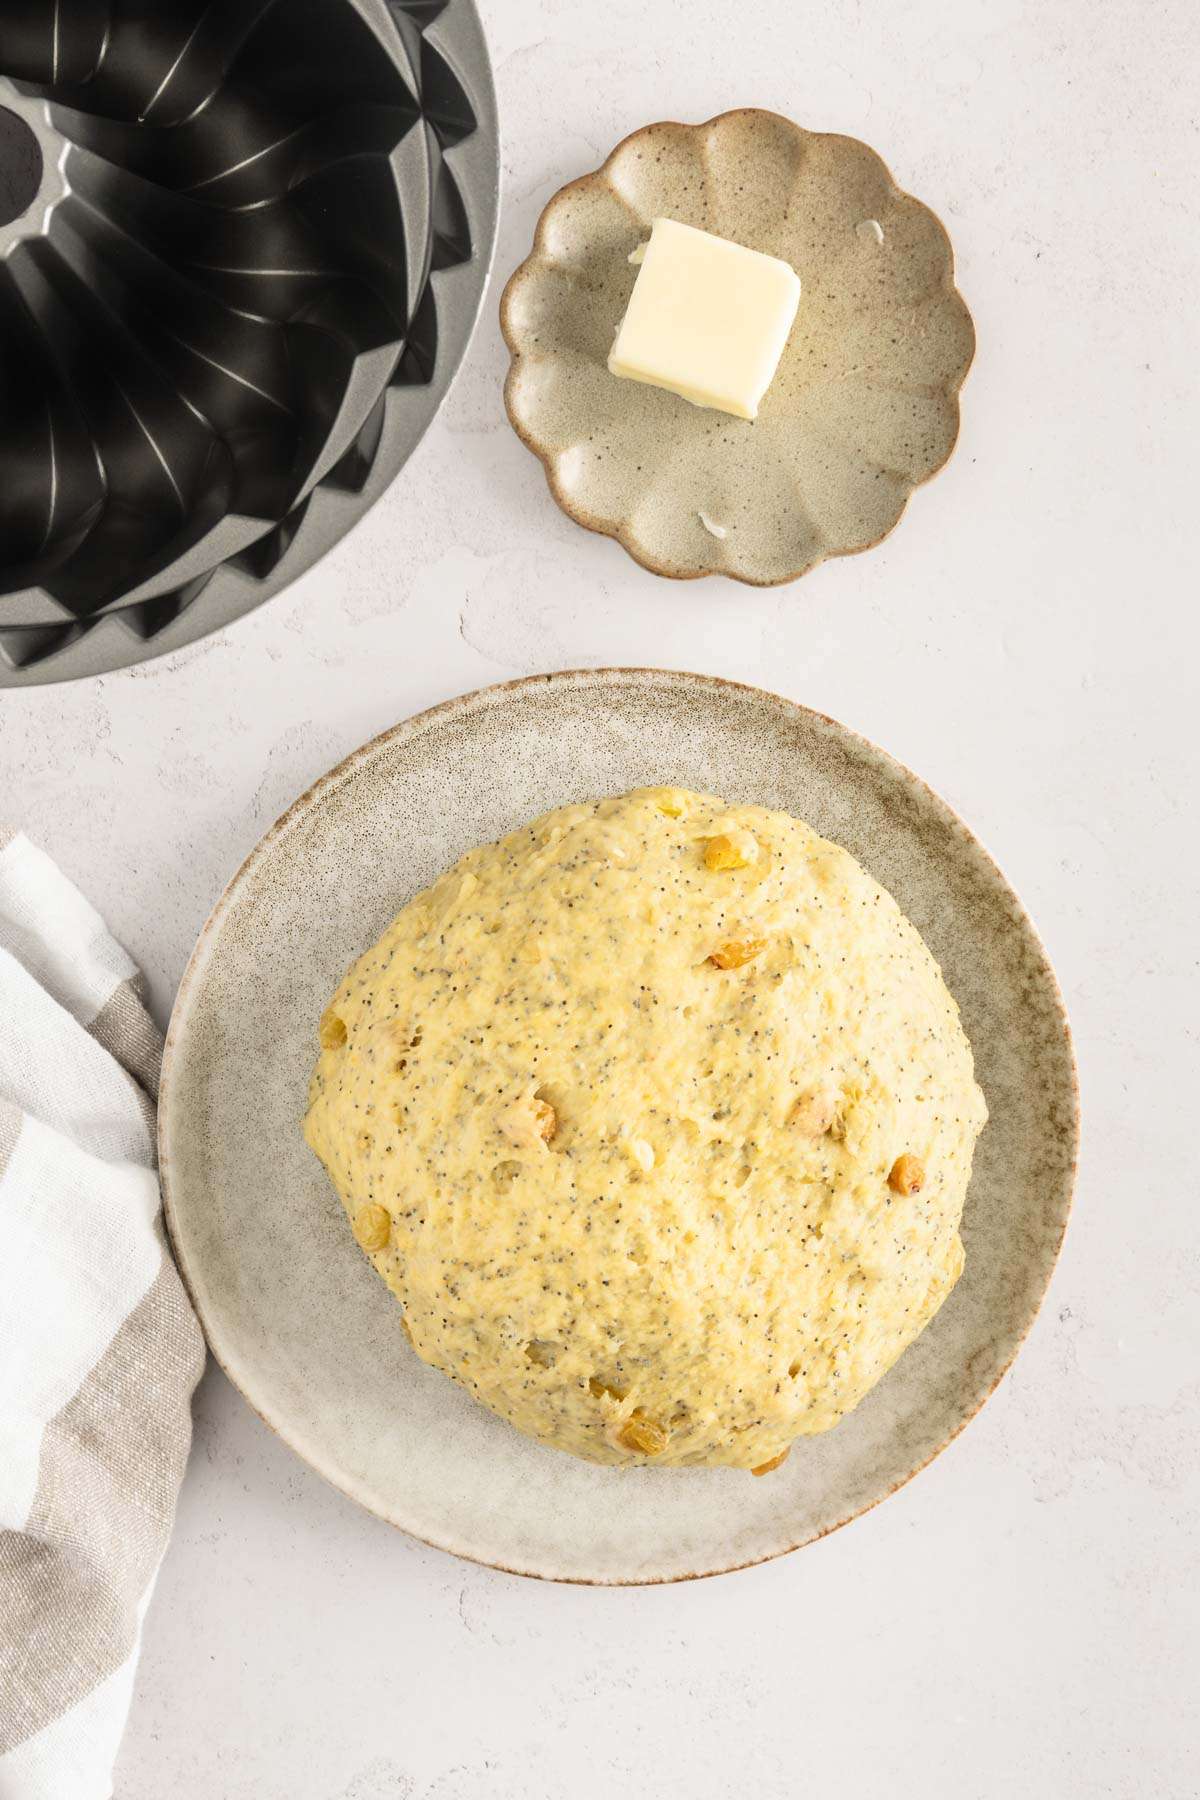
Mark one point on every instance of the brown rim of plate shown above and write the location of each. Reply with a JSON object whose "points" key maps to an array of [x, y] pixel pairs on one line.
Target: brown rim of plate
{"points": [[616, 529], [412, 727]]}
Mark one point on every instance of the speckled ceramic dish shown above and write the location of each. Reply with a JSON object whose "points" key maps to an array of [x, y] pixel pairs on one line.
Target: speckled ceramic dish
{"points": [[294, 1312], [863, 408]]}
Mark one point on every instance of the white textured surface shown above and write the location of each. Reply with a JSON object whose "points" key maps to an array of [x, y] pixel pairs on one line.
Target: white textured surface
{"points": [[1022, 1619]]}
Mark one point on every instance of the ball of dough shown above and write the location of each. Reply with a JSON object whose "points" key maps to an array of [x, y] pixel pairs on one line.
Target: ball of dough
{"points": [[657, 1119]]}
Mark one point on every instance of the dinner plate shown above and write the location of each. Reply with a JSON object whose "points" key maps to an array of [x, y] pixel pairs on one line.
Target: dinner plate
{"points": [[292, 1310]]}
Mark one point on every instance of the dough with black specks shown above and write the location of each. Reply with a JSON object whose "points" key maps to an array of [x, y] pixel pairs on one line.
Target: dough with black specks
{"points": [[636, 1202]]}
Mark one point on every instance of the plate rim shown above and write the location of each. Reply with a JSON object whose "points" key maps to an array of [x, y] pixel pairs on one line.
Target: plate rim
{"points": [[411, 727]]}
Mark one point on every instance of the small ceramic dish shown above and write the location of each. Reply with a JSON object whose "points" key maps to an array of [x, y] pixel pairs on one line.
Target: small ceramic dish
{"points": [[293, 1311], [863, 407]]}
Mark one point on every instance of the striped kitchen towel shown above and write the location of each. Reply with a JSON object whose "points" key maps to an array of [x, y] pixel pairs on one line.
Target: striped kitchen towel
{"points": [[99, 1350]]}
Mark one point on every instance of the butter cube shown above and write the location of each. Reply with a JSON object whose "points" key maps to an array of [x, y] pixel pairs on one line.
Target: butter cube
{"points": [[707, 319]]}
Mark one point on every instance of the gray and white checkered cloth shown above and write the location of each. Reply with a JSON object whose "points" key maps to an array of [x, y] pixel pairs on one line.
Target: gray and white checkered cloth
{"points": [[99, 1350]]}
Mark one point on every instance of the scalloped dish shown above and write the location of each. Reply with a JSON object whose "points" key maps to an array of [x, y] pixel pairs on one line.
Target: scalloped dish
{"points": [[864, 404]]}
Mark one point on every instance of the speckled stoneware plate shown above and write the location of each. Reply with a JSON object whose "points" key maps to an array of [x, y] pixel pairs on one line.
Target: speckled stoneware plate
{"points": [[863, 408], [293, 1311]]}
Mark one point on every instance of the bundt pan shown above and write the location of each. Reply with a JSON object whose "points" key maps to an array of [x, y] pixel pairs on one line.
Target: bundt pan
{"points": [[242, 247]]}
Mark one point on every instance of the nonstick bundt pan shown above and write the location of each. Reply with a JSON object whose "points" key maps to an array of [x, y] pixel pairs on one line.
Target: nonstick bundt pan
{"points": [[242, 247]]}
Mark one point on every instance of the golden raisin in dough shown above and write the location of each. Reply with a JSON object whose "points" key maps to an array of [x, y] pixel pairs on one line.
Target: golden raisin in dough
{"points": [[736, 952], [730, 850], [646, 1436], [331, 1031], [545, 1120], [907, 1176], [628, 1192], [373, 1227]]}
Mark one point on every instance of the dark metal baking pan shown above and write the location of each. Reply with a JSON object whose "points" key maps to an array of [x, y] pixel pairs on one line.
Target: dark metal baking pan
{"points": [[242, 247]]}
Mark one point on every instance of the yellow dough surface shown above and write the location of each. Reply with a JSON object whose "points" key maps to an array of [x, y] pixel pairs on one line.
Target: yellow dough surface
{"points": [[657, 1118]]}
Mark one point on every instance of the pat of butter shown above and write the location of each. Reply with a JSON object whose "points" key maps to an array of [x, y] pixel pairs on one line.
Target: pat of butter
{"points": [[707, 319]]}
